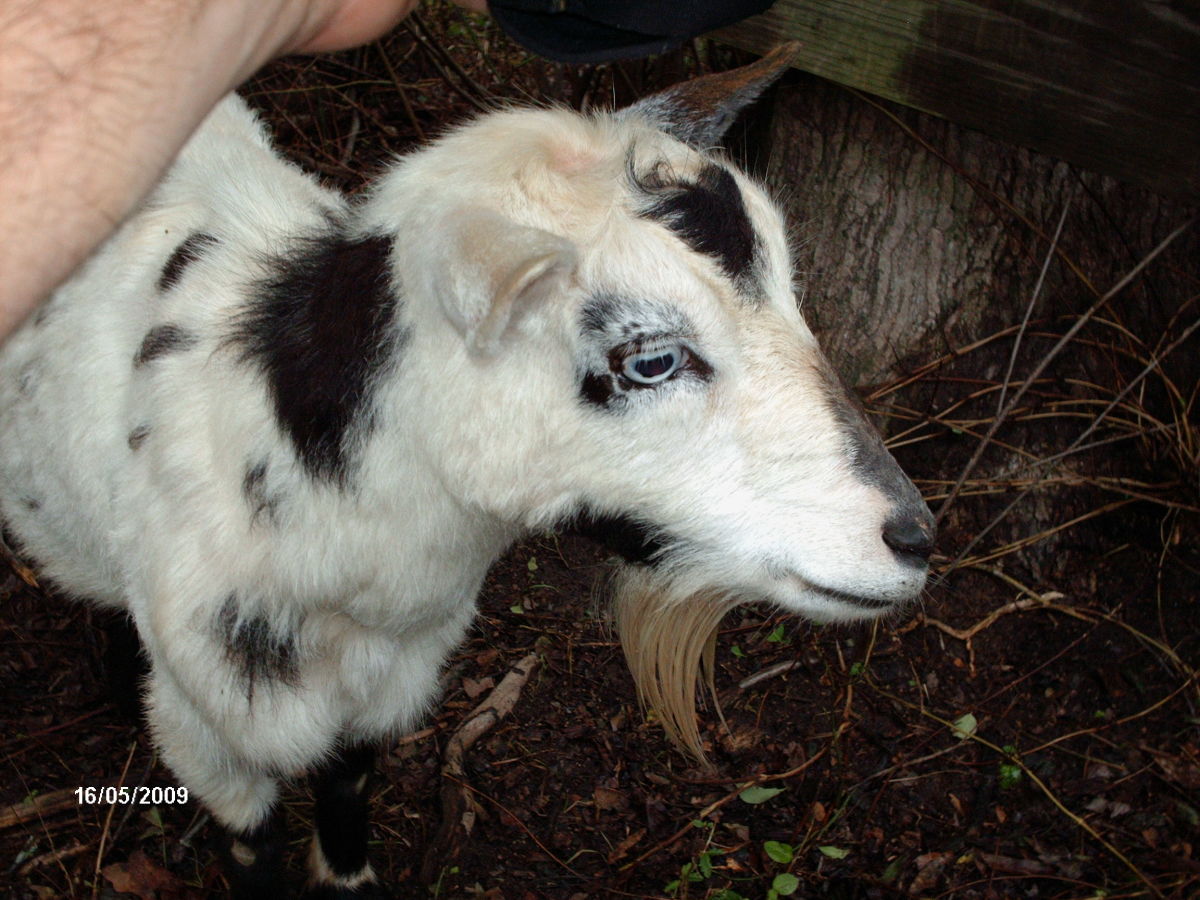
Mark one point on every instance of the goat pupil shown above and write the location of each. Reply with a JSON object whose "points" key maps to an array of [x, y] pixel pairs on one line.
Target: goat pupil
{"points": [[655, 366]]}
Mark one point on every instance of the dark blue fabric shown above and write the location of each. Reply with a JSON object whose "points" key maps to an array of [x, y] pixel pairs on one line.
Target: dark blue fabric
{"points": [[589, 31]]}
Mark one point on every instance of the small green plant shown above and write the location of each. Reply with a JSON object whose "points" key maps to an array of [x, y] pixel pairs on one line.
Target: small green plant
{"points": [[436, 888], [778, 635], [696, 870], [784, 885], [756, 794], [1010, 770], [779, 852]]}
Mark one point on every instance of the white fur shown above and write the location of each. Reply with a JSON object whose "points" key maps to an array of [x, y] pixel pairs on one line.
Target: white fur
{"points": [[502, 231]]}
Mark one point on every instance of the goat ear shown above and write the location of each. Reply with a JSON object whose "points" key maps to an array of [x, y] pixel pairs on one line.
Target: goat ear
{"points": [[496, 270], [700, 111]]}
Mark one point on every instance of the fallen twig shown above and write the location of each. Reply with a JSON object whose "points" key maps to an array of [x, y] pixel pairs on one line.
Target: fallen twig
{"points": [[458, 806]]}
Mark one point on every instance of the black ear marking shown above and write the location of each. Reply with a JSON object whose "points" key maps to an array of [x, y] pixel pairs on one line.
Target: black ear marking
{"points": [[321, 327], [700, 111]]}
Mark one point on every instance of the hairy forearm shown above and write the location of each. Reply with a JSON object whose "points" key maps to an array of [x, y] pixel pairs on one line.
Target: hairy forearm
{"points": [[97, 97]]}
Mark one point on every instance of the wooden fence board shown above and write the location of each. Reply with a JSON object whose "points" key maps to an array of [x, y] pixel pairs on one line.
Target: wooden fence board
{"points": [[1110, 85]]}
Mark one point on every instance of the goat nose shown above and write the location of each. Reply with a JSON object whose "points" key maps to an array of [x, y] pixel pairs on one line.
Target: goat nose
{"points": [[910, 536]]}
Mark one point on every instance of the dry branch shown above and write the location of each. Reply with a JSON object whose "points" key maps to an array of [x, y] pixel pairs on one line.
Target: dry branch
{"points": [[43, 806], [458, 807]]}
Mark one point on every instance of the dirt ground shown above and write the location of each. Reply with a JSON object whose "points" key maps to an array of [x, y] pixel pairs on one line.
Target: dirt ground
{"points": [[1029, 731]]}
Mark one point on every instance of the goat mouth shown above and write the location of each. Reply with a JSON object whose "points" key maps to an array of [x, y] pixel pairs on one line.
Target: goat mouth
{"points": [[861, 605], [867, 603]]}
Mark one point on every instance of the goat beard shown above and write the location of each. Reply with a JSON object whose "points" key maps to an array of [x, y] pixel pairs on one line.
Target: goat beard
{"points": [[669, 638]]}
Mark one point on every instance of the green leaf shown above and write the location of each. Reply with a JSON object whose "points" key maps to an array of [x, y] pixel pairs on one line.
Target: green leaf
{"points": [[892, 872], [532, 564], [704, 864], [758, 794], [834, 852], [517, 609], [776, 636], [785, 884], [964, 726], [1010, 775], [737, 651], [779, 852]]}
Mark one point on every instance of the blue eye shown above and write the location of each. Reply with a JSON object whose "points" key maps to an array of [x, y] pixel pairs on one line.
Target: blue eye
{"points": [[654, 366]]}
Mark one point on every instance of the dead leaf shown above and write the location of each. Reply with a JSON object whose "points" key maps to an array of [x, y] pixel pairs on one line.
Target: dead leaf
{"points": [[475, 689], [929, 870], [608, 798], [618, 852], [141, 877], [487, 657]]}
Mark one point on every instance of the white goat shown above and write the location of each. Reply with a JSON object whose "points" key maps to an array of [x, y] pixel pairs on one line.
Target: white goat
{"points": [[289, 433]]}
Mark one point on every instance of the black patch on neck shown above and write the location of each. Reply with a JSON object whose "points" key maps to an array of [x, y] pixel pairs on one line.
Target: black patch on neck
{"points": [[161, 340], [627, 536], [707, 214], [258, 651], [321, 327], [185, 254]]}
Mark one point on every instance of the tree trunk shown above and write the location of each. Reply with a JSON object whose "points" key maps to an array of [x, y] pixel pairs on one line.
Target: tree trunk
{"points": [[914, 236]]}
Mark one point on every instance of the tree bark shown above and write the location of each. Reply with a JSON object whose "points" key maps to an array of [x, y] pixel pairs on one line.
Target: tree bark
{"points": [[914, 236]]}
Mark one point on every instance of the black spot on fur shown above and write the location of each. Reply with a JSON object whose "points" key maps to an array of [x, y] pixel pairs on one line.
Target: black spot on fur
{"points": [[32, 504], [707, 214], [258, 650], [138, 436], [599, 389], [322, 329], [626, 535], [185, 254], [28, 378], [254, 489], [341, 792], [161, 340]]}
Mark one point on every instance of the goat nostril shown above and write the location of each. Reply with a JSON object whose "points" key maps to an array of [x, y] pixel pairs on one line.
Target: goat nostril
{"points": [[909, 537]]}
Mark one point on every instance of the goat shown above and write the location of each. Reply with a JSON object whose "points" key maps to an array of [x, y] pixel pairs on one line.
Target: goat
{"points": [[288, 432]]}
